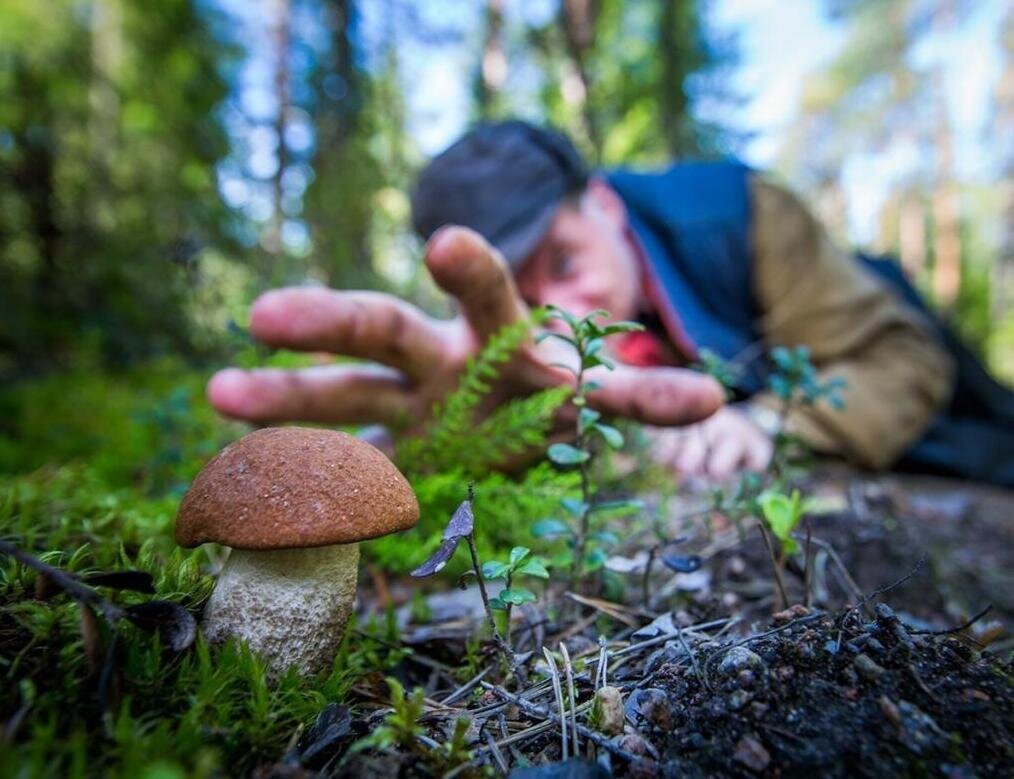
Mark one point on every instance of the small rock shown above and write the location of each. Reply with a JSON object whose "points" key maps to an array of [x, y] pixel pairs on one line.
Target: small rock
{"points": [[784, 673], [694, 740], [739, 658], [634, 744], [789, 614], [872, 645], [739, 699], [730, 601], [737, 567], [608, 711], [867, 667], [651, 705], [670, 653], [752, 754], [890, 710], [746, 679], [758, 709], [919, 731]]}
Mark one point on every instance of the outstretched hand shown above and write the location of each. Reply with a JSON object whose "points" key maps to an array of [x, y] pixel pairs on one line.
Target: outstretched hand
{"points": [[416, 360]]}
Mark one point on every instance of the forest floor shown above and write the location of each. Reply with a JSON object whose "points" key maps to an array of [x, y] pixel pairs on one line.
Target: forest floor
{"points": [[881, 676]]}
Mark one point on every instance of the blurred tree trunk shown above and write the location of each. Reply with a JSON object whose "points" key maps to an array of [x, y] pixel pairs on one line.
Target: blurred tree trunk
{"points": [[577, 18], [912, 234], [281, 34], [493, 67], [673, 34], [946, 206]]}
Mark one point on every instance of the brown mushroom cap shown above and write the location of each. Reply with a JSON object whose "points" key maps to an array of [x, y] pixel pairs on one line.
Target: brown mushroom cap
{"points": [[294, 487]]}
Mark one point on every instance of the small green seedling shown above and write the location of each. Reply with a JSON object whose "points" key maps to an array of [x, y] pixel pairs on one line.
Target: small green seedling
{"points": [[587, 339], [521, 563], [782, 514]]}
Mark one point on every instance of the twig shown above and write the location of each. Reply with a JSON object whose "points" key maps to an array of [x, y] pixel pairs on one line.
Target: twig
{"points": [[779, 580], [693, 659], [808, 562], [466, 688], [558, 691], [573, 699], [535, 711], [949, 631]]}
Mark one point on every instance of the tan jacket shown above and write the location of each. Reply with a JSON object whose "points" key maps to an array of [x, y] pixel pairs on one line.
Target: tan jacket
{"points": [[813, 293]]}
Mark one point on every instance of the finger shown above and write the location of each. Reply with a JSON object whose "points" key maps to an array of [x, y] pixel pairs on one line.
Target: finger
{"points": [[466, 267], [371, 325], [759, 453], [332, 394], [725, 457], [657, 396], [692, 455]]}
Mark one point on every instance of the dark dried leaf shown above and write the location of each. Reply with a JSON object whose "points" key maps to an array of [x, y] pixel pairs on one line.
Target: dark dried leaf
{"points": [[136, 581], [682, 563], [462, 522], [176, 623], [438, 559], [332, 727]]}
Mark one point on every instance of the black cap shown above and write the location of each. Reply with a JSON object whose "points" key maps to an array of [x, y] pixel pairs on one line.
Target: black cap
{"points": [[504, 180]]}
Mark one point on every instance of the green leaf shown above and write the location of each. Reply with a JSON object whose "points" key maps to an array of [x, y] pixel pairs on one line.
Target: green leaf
{"points": [[618, 508], [565, 454], [551, 334], [606, 537], [576, 508], [550, 528], [534, 567], [518, 554], [595, 559], [782, 514], [516, 596], [612, 436], [496, 604], [562, 559], [622, 327], [591, 386], [495, 570], [586, 418]]}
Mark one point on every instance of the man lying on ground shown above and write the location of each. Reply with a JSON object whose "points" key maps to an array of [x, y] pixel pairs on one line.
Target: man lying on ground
{"points": [[704, 255]]}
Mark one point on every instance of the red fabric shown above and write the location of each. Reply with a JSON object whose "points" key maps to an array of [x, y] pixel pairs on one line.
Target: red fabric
{"points": [[685, 348], [642, 350]]}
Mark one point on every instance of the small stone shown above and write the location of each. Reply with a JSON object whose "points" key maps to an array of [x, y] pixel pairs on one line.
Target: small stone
{"points": [[633, 743], [739, 699], [890, 710], [739, 658], [867, 667], [651, 705], [737, 567], [873, 645], [784, 673], [792, 612], [730, 601], [758, 709], [752, 754], [608, 711], [694, 740], [919, 731], [746, 679]]}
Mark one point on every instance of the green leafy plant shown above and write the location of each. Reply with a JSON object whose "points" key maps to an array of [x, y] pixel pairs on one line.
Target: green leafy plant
{"points": [[461, 527], [586, 338], [520, 563], [457, 439], [401, 727]]}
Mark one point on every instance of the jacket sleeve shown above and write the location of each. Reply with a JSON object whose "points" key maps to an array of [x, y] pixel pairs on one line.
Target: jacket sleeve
{"points": [[897, 378]]}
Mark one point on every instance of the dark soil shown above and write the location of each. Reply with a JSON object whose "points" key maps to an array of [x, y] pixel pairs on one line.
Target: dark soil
{"points": [[849, 687]]}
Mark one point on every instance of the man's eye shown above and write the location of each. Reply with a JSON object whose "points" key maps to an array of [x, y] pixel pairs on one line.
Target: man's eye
{"points": [[562, 266]]}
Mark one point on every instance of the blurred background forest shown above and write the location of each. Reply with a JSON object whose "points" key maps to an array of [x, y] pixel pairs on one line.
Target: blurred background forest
{"points": [[161, 163]]}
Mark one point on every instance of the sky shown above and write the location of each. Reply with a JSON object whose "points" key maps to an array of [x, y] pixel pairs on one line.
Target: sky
{"points": [[780, 42]]}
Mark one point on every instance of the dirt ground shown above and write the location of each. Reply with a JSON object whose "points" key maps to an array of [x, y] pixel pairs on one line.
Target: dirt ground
{"points": [[878, 677]]}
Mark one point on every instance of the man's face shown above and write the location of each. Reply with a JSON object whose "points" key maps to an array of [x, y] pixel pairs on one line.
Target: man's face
{"points": [[585, 261]]}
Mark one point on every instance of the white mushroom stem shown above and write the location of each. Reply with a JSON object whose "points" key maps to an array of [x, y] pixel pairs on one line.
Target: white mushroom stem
{"points": [[289, 605]]}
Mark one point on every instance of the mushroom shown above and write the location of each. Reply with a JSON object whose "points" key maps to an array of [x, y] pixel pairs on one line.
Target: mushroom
{"points": [[293, 503]]}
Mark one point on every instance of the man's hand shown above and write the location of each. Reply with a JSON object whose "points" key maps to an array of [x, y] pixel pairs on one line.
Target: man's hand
{"points": [[420, 358], [726, 442]]}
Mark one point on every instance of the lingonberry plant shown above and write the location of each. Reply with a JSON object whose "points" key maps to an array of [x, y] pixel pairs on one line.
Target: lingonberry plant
{"points": [[521, 563], [587, 339]]}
